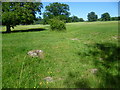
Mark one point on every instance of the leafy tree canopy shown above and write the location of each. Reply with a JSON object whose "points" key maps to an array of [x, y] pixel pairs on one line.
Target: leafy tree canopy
{"points": [[92, 16], [81, 20], [15, 13], [75, 19], [105, 17], [56, 9]]}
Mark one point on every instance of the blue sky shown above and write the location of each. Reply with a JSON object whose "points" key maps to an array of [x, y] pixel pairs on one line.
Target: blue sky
{"points": [[81, 9]]}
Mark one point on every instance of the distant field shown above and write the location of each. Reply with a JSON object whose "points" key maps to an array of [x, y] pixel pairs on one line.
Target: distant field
{"points": [[85, 56]]}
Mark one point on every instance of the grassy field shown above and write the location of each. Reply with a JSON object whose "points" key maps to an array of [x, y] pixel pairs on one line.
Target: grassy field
{"points": [[70, 57]]}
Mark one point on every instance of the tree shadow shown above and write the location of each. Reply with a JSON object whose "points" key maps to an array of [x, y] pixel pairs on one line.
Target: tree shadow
{"points": [[28, 30], [73, 80], [106, 58]]}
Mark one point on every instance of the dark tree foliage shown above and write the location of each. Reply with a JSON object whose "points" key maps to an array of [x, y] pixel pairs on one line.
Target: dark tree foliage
{"points": [[75, 19], [38, 21], [56, 9], [92, 16], [15, 13], [118, 18], [0, 13], [105, 17], [81, 20], [69, 19], [99, 19], [46, 17], [114, 19], [63, 17]]}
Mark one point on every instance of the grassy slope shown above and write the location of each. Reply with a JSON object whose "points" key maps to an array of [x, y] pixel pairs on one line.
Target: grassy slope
{"points": [[67, 61]]}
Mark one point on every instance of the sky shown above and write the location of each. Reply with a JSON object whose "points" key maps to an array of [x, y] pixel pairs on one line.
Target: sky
{"points": [[81, 9]]}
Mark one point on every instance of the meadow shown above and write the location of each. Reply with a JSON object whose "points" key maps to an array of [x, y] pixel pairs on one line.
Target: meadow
{"points": [[83, 56]]}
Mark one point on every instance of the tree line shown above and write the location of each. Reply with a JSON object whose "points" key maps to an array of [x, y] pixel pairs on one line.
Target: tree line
{"points": [[104, 17], [91, 18], [62, 11], [16, 13]]}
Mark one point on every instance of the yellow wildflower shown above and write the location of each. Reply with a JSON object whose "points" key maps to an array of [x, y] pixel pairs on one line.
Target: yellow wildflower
{"points": [[40, 83]]}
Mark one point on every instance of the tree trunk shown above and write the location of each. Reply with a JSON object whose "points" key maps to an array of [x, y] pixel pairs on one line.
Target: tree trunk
{"points": [[8, 28]]}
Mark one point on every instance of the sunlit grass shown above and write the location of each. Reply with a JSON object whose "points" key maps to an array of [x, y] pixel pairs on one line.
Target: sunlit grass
{"points": [[24, 27], [67, 61]]}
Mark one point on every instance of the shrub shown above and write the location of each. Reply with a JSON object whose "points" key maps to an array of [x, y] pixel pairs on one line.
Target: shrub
{"points": [[57, 24]]}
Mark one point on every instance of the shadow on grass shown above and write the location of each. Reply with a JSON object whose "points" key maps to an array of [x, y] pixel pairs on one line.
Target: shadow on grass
{"points": [[106, 58], [73, 80], [27, 30]]}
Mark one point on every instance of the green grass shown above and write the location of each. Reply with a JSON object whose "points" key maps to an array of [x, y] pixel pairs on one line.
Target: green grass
{"points": [[24, 27], [67, 61]]}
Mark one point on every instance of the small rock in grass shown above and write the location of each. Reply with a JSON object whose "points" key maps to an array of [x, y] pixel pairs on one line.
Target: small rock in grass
{"points": [[74, 39], [101, 59], [94, 70], [36, 53], [116, 37], [48, 79]]}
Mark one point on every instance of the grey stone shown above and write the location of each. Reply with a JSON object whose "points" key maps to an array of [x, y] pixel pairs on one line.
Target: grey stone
{"points": [[36, 53], [94, 70], [48, 79], [74, 39]]}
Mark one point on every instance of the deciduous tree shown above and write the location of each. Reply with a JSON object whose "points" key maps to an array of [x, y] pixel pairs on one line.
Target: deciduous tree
{"points": [[105, 17], [92, 16], [81, 20], [75, 19], [15, 13], [56, 9]]}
